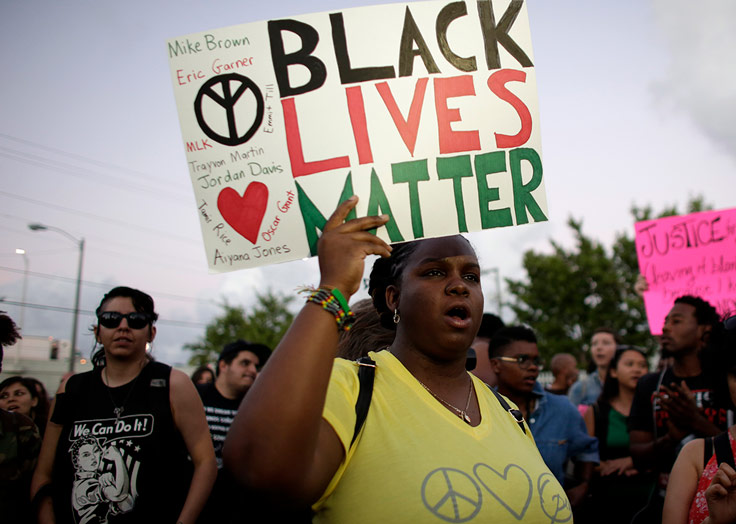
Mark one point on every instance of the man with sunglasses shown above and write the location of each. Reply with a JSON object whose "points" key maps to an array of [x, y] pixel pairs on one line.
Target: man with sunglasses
{"points": [[559, 430], [237, 368]]}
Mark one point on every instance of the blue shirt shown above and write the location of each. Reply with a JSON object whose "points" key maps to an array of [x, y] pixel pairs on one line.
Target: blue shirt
{"points": [[586, 391], [560, 432]]}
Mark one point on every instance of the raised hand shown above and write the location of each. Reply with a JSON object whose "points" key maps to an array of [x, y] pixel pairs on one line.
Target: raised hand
{"points": [[344, 245], [721, 496]]}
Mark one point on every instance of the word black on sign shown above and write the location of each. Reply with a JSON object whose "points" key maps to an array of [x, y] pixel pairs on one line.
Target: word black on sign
{"points": [[228, 100]]}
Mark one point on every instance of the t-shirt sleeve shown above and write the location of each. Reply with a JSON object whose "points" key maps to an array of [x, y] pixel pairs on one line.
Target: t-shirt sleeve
{"points": [[342, 393], [339, 412], [640, 417], [61, 409], [576, 393], [582, 446]]}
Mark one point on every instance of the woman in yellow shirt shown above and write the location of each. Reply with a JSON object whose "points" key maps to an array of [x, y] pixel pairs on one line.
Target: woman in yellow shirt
{"points": [[436, 444]]}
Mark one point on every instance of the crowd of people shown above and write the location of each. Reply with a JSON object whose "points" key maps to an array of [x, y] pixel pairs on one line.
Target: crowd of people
{"points": [[433, 411]]}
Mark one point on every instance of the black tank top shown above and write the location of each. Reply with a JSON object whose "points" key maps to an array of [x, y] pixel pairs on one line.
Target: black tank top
{"points": [[129, 468]]}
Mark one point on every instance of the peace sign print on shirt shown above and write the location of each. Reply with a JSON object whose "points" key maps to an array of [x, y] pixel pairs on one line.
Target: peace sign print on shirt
{"points": [[456, 496], [224, 106]]}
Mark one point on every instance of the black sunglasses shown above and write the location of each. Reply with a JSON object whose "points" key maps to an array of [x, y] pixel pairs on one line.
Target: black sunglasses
{"points": [[112, 319]]}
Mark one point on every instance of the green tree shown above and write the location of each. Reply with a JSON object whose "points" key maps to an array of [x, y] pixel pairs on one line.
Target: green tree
{"points": [[570, 292], [265, 324]]}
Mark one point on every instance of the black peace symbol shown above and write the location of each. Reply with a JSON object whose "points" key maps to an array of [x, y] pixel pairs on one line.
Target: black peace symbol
{"points": [[228, 100], [451, 494]]}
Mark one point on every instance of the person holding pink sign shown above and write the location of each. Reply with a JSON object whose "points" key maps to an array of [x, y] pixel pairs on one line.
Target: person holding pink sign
{"points": [[673, 406], [698, 462], [435, 443]]}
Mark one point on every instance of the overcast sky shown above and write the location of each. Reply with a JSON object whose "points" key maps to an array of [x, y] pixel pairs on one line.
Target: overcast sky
{"points": [[636, 102]]}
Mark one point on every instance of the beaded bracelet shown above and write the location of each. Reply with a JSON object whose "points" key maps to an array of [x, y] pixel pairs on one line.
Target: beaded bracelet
{"points": [[334, 302]]}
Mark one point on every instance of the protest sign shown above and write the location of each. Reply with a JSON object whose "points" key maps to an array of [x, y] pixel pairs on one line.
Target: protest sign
{"points": [[688, 255], [427, 111]]}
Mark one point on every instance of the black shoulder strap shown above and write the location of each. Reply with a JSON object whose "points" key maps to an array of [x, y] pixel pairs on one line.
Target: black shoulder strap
{"points": [[366, 373], [600, 416], [723, 449], [518, 417], [707, 450]]}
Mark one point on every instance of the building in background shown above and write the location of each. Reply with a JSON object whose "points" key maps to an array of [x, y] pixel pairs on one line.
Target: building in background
{"points": [[43, 358]]}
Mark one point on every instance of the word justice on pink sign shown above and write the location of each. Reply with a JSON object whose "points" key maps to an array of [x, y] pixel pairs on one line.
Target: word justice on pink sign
{"points": [[427, 111], [688, 255]]}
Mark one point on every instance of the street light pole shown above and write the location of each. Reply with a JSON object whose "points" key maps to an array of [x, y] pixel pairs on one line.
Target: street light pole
{"points": [[75, 320], [23, 300], [76, 306]]}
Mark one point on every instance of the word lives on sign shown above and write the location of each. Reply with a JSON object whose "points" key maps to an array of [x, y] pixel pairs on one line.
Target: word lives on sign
{"points": [[427, 111], [692, 254]]}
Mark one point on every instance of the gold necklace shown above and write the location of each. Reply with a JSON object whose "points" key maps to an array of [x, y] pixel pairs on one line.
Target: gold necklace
{"points": [[462, 413]]}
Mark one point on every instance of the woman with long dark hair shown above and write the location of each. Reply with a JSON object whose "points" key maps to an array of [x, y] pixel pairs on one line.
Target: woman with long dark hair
{"points": [[21, 395], [118, 443], [618, 490]]}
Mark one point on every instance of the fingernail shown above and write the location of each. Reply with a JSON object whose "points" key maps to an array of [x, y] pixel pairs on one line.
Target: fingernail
{"points": [[353, 198]]}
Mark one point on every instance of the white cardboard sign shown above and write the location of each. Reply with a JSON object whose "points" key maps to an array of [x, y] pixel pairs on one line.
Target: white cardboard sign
{"points": [[427, 111]]}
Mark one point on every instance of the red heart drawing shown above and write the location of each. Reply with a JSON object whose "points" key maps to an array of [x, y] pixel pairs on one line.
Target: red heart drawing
{"points": [[244, 214]]}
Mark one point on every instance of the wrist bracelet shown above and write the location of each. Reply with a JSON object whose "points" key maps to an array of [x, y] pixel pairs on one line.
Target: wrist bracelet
{"points": [[334, 302]]}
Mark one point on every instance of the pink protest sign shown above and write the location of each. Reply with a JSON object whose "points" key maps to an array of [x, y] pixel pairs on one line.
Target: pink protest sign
{"points": [[688, 255]]}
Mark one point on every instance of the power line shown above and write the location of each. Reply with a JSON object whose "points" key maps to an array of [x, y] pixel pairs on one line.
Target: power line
{"points": [[76, 172], [61, 309], [187, 264], [107, 286], [81, 158], [153, 258], [90, 215], [180, 262], [81, 172]]}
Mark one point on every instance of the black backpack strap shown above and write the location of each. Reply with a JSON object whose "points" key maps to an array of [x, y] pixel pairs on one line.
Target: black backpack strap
{"points": [[707, 450], [600, 416], [366, 373], [722, 446], [518, 417]]}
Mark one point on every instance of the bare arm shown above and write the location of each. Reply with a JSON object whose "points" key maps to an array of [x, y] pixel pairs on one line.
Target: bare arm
{"points": [[647, 452], [583, 472], [278, 442], [189, 418], [683, 483], [44, 473], [117, 488], [589, 418]]}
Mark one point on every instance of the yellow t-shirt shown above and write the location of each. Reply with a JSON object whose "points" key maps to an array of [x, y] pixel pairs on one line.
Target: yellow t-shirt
{"points": [[416, 461]]}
